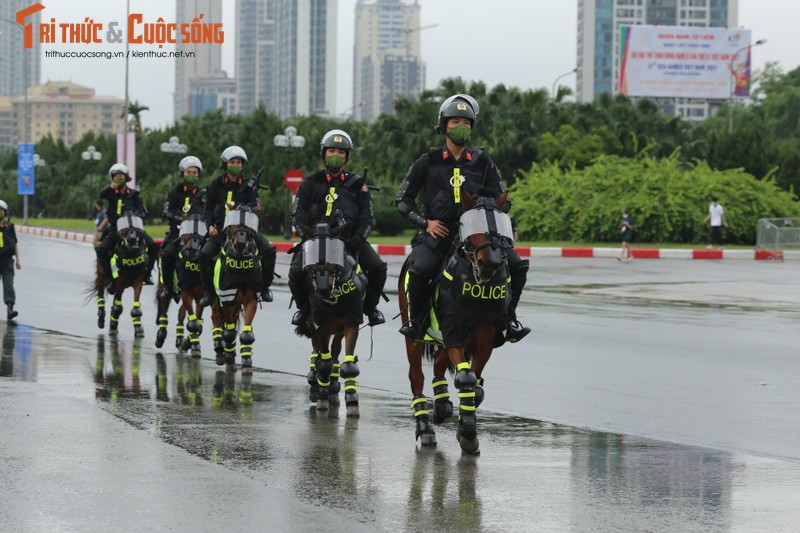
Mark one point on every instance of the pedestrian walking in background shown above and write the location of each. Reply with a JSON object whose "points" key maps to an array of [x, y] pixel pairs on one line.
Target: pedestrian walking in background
{"points": [[626, 231], [100, 222], [717, 217], [9, 250]]}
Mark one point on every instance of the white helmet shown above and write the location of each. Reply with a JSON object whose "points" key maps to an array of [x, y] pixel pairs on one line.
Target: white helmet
{"points": [[232, 152], [4, 206], [189, 161], [119, 168]]}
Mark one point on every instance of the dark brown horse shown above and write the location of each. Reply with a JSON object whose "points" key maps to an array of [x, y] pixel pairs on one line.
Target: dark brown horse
{"points": [[129, 267], [238, 281], [191, 235], [336, 294], [469, 313]]}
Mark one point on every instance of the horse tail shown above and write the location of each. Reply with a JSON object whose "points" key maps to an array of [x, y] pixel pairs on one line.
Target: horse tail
{"points": [[97, 287], [303, 331]]}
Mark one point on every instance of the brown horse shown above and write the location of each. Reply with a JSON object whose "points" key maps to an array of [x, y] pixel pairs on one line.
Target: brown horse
{"points": [[336, 293], [469, 313], [238, 281], [129, 267], [191, 235]]}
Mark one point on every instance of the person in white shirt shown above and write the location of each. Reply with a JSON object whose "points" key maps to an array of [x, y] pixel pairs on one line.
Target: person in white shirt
{"points": [[717, 217]]}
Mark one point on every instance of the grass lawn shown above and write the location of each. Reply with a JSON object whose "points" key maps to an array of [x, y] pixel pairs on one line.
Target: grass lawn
{"points": [[158, 230]]}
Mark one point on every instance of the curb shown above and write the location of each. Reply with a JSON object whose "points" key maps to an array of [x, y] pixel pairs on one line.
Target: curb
{"points": [[524, 251]]}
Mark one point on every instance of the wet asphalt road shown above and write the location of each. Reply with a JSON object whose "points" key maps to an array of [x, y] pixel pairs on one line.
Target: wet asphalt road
{"points": [[653, 396]]}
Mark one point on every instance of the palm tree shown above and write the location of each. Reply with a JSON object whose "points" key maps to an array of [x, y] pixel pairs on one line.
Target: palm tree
{"points": [[135, 109]]}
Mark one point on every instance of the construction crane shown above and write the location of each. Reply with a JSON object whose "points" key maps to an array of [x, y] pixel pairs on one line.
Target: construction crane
{"points": [[409, 31]]}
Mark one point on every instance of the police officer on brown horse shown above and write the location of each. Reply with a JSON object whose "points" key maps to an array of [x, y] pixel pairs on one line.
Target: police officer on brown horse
{"points": [[121, 198], [336, 196], [185, 199], [439, 176]]}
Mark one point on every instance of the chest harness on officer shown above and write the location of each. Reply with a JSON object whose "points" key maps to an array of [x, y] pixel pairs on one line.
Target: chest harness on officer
{"points": [[457, 180]]}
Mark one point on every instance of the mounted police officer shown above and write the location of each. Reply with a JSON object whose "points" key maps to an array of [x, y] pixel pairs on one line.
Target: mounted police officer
{"points": [[333, 194], [224, 194], [183, 200], [121, 198], [437, 174], [9, 258]]}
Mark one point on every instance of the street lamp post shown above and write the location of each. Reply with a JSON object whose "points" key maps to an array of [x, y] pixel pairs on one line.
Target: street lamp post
{"points": [[37, 162], [573, 71], [289, 140], [91, 155], [173, 147], [27, 134], [731, 86]]}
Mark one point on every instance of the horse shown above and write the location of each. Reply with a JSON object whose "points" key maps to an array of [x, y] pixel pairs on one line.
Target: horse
{"points": [[336, 288], [191, 234], [237, 279], [129, 268], [468, 314]]}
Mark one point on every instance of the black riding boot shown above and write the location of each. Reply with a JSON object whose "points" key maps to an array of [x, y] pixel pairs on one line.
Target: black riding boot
{"points": [[515, 331], [152, 257], [375, 282], [168, 275], [301, 300], [418, 297], [268, 272], [11, 313], [208, 286]]}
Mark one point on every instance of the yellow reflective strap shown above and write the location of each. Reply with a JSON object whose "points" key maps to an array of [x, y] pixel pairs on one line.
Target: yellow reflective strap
{"points": [[186, 205], [349, 358], [440, 382], [247, 328], [228, 202], [463, 407], [456, 183], [119, 206], [470, 394], [448, 275], [2, 233], [325, 356], [329, 199], [423, 412], [462, 366], [418, 400], [442, 395]]}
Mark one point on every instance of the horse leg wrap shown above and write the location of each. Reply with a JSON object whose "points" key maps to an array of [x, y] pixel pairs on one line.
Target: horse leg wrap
{"points": [[179, 335], [116, 310], [350, 367], [479, 393], [442, 406], [312, 372], [101, 308], [465, 377], [335, 385], [350, 391], [195, 327], [422, 416], [246, 340], [216, 335], [161, 336], [324, 370], [136, 314], [229, 336], [467, 422]]}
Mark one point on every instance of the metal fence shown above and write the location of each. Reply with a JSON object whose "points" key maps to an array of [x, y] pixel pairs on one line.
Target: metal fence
{"points": [[777, 234]]}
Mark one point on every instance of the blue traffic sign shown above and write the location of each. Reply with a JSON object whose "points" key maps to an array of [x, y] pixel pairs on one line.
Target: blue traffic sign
{"points": [[25, 169]]}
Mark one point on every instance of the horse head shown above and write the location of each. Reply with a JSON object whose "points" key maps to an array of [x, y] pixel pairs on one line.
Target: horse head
{"points": [[485, 233], [324, 258], [130, 230], [241, 225], [192, 233]]}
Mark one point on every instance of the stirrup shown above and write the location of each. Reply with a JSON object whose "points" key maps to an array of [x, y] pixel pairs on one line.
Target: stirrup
{"points": [[516, 331], [412, 330], [266, 295], [110, 287]]}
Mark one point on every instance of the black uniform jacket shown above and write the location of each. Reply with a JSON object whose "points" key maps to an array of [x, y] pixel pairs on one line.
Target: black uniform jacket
{"points": [[121, 200], [221, 191], [322, 197], [183, 200], [442, 180]]}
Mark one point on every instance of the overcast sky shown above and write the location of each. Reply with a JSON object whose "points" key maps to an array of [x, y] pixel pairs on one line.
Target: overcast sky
{"points": [[522, 43]]}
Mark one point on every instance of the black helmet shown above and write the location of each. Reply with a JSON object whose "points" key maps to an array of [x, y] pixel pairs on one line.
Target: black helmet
{"points": [[336, 139], [457, 106]]}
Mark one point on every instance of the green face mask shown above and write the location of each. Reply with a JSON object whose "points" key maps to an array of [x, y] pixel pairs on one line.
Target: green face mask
{"points": [[190, 178], [460, 134], [334, 162], [2, 214], [235, 170]]}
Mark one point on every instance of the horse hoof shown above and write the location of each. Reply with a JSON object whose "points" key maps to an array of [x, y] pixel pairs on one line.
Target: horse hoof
{"points": [[220, 359], [101, 323], [323, 405], [139, 333], [196, 353], [352, 411], [427, 439], [313, 394], [187, 344], [469, 447], [161, 336], [334, 399], [247, 370]]}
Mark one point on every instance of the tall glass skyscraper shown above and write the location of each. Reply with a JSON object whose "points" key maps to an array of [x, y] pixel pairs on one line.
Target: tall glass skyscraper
{"points": [[15, 60]]}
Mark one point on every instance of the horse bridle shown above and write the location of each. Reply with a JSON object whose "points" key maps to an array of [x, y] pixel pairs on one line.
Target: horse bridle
{"points": [[493, 240]]}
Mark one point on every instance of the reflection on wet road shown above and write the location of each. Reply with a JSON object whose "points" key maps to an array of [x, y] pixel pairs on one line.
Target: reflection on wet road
{"points": [[532, 476]]}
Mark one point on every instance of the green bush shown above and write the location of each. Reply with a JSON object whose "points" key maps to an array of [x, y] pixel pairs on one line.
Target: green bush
{"points": [[388, 221], [668, 200]]}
